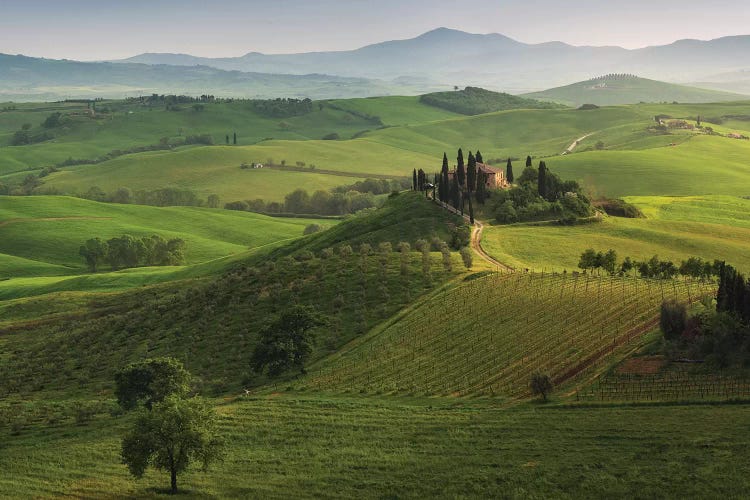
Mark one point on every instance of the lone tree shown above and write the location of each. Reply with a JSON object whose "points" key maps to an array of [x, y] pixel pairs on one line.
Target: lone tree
{"points": [[234, 139], [150, 381], [528, 161], [541, 385], [287, 341], [478, 157], [414, 179], [174, 433], [509, 171]]}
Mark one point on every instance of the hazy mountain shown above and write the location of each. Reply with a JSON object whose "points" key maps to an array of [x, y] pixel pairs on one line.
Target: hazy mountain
{"points": [[494, 61], [28, 78], [627, 89]]}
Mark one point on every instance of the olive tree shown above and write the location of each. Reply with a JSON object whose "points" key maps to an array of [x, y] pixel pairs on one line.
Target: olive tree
{"points": [[170, 436]]}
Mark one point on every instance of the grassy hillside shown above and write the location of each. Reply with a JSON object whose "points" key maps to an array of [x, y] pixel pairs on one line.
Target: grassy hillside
{"points": [[710, 227], [309, 446], [394, 110], [627, 89], [120, 126], [222, 314], [209, 170], [700, 166], [49, 229], [477, 101]]}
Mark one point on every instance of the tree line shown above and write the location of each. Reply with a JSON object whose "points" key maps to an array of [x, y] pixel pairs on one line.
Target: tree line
{"points": [[128, 251], [655, 268]]}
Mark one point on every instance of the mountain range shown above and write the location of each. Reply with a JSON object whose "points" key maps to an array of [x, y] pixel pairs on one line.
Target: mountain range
{"points": [[437, 60], [494, 61]]}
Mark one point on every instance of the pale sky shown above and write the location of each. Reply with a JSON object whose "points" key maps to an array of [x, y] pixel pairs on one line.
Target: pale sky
{"points": [[113, 29]]}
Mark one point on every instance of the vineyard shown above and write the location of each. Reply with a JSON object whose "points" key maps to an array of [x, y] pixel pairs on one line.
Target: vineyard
{"points": [[672, 385], [487, 336]]}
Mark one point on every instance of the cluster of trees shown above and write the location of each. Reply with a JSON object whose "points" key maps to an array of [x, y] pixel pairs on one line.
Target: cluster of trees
{"points": [[171, 429], [26, 136], [477, 101], [720, 336], [282, 108], [128, 251], [540, 194], [164, 197], [693, 267], [339, 201]]}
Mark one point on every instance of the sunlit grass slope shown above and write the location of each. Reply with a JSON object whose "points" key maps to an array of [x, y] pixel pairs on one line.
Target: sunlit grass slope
{"points": [[130, 125], [210, 170], [50, 229], [710, 227]]}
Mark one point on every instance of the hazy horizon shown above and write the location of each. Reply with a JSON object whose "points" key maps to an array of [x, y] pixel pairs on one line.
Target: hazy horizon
{"points": [[107, 29]]}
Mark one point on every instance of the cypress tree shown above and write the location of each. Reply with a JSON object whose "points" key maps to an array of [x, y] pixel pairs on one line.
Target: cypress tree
{"points": [[528, 161], [445, 188], [414, 179], [455, 194], [227, 139], [542, 180], [461, 171], [234, 140], [509, 171], [478, 157], [471, 174], [481, 187]]}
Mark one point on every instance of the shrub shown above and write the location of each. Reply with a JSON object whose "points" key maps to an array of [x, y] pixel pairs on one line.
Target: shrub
{"points": [[467, 257], [673, 319], [541, 385], [312, 229]]}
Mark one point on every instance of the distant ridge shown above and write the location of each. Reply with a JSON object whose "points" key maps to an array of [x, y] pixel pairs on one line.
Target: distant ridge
{"points": [[452, 57], [437, 60], [614, 89]]}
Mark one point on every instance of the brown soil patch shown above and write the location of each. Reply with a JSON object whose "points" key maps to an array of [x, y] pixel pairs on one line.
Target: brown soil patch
{"points": [[646, 365]]}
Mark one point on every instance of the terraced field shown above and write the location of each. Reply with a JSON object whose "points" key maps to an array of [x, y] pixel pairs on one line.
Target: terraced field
{"points": [[486, 337]]}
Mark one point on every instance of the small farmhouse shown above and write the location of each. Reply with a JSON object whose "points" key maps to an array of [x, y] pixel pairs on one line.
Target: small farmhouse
{"points": [[494, 177]]}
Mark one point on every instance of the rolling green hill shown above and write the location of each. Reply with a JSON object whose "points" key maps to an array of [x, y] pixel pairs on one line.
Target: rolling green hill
{"points": [[119, 125], [49, 229], [612, 90], [478, 101], [239, 296]]}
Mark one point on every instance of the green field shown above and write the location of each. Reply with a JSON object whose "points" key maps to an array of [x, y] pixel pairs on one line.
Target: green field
{"points": [[710, 227], [311, 447]]}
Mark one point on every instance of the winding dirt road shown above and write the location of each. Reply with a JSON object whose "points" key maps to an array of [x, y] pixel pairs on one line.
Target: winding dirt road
{"points": [[476, 238], [576, 143], [476, 245]]}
